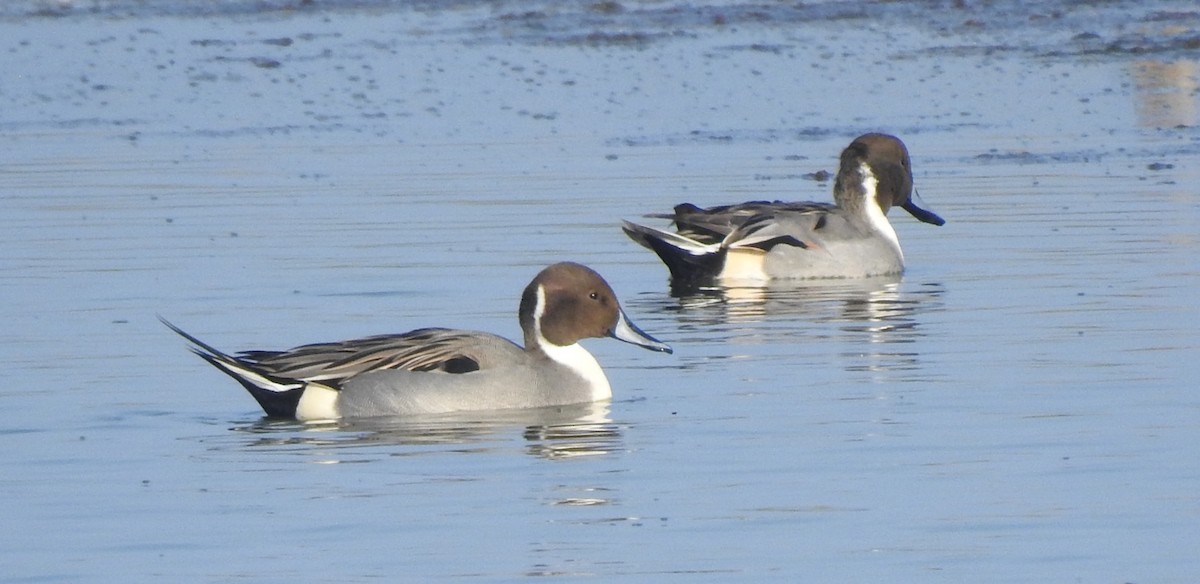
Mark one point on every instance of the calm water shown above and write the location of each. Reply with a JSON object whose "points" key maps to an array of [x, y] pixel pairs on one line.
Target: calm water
{"points": [[1020, 406]]}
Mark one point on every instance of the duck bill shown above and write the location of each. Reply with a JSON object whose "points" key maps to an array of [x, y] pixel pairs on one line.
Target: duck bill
{"points": [[922, 214], [630, 333]]}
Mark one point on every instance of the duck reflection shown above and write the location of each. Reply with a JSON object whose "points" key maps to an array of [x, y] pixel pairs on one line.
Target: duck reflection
{"points": [[553, 433], [876, 305], [878, 317], [859, 299], [1166, 93]]}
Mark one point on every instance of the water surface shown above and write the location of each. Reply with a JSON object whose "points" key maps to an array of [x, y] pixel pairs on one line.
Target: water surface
{"points": [[1020, 406]]}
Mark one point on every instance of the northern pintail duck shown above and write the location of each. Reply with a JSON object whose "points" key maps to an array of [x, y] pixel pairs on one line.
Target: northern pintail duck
{"points": [[763, 240], [438, 370]]}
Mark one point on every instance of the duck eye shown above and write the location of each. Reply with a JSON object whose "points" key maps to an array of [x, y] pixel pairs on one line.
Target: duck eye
{"points": [[593, 295]]}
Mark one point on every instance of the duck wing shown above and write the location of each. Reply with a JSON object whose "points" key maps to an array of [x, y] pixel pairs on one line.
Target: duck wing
{"points": [[427, 349], [802, 225], [713, 224]]}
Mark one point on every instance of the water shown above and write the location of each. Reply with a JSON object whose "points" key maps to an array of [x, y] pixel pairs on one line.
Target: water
{"points": [[1020, 406]]}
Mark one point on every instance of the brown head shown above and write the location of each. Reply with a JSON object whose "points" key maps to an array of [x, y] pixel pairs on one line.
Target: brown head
{"points": [[886, 158], [567, 302]]}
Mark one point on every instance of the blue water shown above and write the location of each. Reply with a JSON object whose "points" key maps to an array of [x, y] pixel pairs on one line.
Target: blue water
{"points": [[1020, 406]]}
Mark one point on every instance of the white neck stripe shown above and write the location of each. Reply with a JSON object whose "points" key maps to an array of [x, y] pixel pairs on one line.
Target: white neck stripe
{"points": [[573, 356], [539, 308], [875, 217]]}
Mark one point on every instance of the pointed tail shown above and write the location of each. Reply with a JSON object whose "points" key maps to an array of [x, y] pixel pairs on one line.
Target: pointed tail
{"points": [[687, 259], [278, 396]]}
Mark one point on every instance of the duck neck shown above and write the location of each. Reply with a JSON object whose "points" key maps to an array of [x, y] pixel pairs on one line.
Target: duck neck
{"points": [[581, 363], [573, 357], [873, 212]]}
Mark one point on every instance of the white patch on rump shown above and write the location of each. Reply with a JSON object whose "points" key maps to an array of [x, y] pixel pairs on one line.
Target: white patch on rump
{"points": [[318, 402], [746, 263]]}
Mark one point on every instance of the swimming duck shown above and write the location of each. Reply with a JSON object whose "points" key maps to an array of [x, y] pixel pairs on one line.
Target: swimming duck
{"points": [[764, 240], [439, 370]]}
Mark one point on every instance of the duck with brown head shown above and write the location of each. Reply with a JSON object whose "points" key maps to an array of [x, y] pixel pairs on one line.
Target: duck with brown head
{"points": [[758, 241], [438, 370]]}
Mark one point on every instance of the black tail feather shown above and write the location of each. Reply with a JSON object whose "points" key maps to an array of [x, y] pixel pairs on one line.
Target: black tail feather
{"points": [[686, 267], [276, 404], [280, 404], [683, 265]]}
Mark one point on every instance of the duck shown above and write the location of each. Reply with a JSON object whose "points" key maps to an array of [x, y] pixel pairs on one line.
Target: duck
{"points": [[759, 241], [443, 370]]}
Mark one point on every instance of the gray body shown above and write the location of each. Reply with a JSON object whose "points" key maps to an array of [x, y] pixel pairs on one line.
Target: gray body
{"points": [[837, 244], [508, 377]]}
